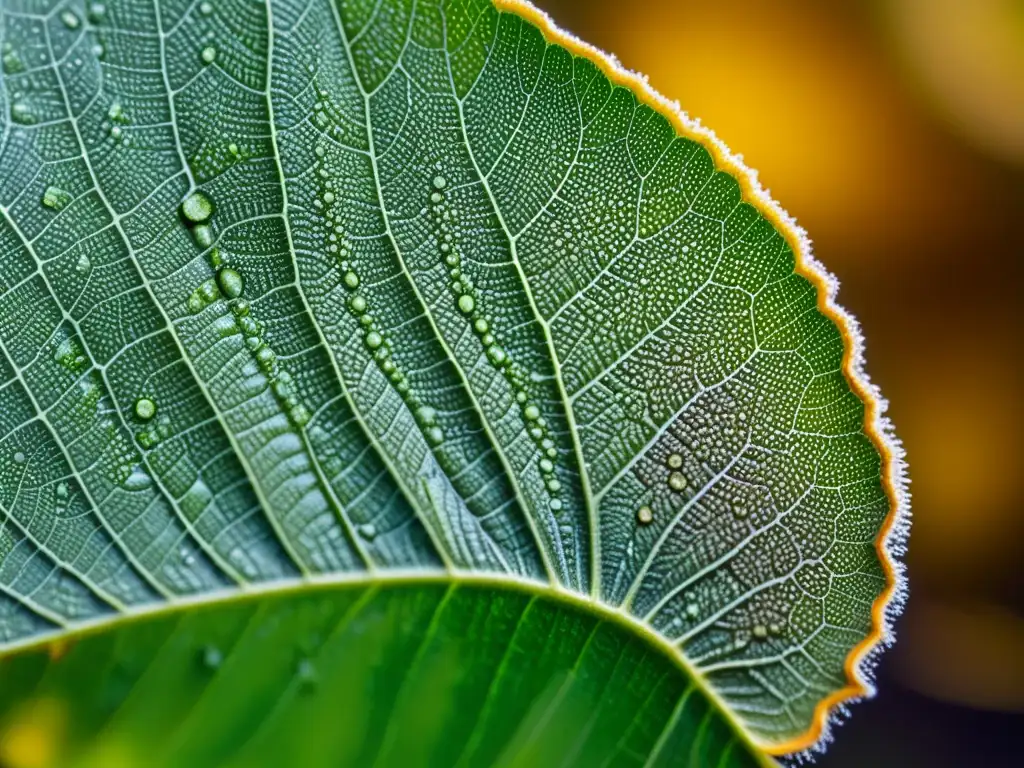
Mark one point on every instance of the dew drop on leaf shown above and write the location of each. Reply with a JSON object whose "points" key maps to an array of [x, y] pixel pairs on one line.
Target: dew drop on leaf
{"points": [[145, 408], [496, 354], [230, 282], [197, 207], [305, 672], [21, 113], [426, 416], [203, 235], [55, 198], [677, 481], [212, 657], [645, 515]]}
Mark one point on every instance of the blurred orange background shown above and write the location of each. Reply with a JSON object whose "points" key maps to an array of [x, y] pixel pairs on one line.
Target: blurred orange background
{"points": [[894, 131]]}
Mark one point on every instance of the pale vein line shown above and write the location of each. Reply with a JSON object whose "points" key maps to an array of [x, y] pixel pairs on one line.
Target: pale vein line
{"points": [[401, 258], [588, 503]]}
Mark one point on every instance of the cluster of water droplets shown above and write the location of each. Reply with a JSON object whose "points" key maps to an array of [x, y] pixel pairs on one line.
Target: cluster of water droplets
{"points": [[209, 53], [228, 285], [468, 301], [676, 481], [55, 198], [375, 338], [117, 120]]}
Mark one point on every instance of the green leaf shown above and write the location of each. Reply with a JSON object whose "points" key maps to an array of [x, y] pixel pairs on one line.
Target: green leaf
{"points": [[404, 378], [403, 671]]}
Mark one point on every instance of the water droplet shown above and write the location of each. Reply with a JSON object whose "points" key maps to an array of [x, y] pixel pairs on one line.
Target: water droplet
{"points": [[368, 531], [358, 304], [531, 412], [305, 672], [97, 11], [196, 207], [205, 8], [62, 490], [440, 182], [426, 416], [230, 282], [351, 280], [145, 408], [374, 340], [212, 657], [435, 436], [467, 304], [760, 631], [12, 64], [21, 113], [70, 20], [300, 415], [496, 354], [19, 458], [209, 54], [480, 325], [692, 610], [208, 290], [555, 504], [677, 481], [546, 466], [203, 235], [675, 461], [775, 629], [84, 264], [645, 515], [266, 357]]}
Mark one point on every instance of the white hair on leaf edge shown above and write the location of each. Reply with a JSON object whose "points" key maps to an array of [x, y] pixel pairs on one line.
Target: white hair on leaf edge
{"points": [[894, 542]]}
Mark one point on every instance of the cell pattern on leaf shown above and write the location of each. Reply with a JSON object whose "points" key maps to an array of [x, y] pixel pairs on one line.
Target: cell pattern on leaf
{"points": [[301, 287]]}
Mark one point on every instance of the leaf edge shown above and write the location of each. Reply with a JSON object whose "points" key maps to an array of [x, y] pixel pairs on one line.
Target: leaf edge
{"points": [[892, 537]]}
